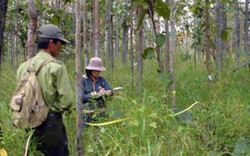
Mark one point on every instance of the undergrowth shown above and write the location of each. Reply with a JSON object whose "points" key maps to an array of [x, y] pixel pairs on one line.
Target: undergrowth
{"points": [[217, 125]]}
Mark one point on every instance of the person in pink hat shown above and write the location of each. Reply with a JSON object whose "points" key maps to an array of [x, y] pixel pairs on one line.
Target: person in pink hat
{"points": [[95, 91]]}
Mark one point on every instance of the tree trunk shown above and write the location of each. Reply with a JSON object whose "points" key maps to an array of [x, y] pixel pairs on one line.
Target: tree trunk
{"points": [[246, 27], [17, 34], [109, 32], [158, 50], [140, 61], [131, 44], [167, 43], [237, 31], [96, 28], [124, 41], [172, 51], [32, 29], [218, 42], [79, 143], [84, 35], [207, 40], [224, 42], [12, 42], [116, 36], [3, 10]]}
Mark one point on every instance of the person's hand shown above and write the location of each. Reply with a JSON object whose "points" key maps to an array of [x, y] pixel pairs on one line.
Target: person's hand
{"points": [[109, 93], [101, 92], [93, 94]]}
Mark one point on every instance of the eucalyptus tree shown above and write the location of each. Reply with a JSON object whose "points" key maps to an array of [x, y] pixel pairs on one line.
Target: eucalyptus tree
{"points": [[96, 29], [31, 29], [197, 26], [172, 50], [221, 35], [79, 144], [246, 29], [237, 30], [109, 33], [207, 36], [125, 29], [218, 40], [3, 11], [84, 33], [131, 43], [140, 49], [167, 44], [116, 35]]}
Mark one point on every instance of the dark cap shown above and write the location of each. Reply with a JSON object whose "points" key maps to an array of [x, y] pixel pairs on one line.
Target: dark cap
{"points": [[51, 31]]}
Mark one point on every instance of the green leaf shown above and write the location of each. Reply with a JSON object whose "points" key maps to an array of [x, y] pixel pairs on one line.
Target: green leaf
{"points": [[148, 53], [55, 20], [160, 40], [162, 9], [141, 18]]}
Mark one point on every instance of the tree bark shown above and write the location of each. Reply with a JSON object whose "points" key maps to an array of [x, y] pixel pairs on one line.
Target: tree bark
{"points": [[79, 143], [207, 40], [140, 61], [246, 27], [218, 42], [31, 29], [124, 41], [167, 43], [84, 35], [3, 10], [172, 51], [17, 33], [109, 32], [12, 42], [131, 44], [116, 36], [96, 28], [237, 31]]}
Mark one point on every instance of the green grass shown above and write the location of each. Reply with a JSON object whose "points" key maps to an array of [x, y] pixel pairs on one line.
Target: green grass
{"points": [[217, 125]]}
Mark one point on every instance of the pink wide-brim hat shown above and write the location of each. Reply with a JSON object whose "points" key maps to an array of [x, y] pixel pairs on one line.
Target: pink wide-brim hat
{"points": [[95, 63]]}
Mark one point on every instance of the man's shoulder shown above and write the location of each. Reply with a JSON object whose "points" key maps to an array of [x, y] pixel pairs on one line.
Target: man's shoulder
{"points": [[56, 63], [23, 65]]}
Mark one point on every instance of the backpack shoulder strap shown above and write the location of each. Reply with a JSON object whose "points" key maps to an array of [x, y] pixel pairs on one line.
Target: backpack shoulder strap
{"points": [[44, 63], [31, 69]]}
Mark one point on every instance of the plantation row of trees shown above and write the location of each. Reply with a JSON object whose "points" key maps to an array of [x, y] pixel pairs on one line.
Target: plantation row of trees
{"points": [[214, 29]]}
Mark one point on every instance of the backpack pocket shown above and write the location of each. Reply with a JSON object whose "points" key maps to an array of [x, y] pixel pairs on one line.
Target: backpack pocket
{"points": [[17, 102]]}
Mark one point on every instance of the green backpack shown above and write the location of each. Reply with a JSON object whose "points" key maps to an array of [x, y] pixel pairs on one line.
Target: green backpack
{"points": [[28, 107]]}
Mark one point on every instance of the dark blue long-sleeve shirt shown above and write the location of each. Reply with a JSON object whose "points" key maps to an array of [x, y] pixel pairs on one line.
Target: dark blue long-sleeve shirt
{"points": [[89, 86]]}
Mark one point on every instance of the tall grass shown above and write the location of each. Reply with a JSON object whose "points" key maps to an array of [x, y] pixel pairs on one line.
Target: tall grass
{"points": [[217, 125]]}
